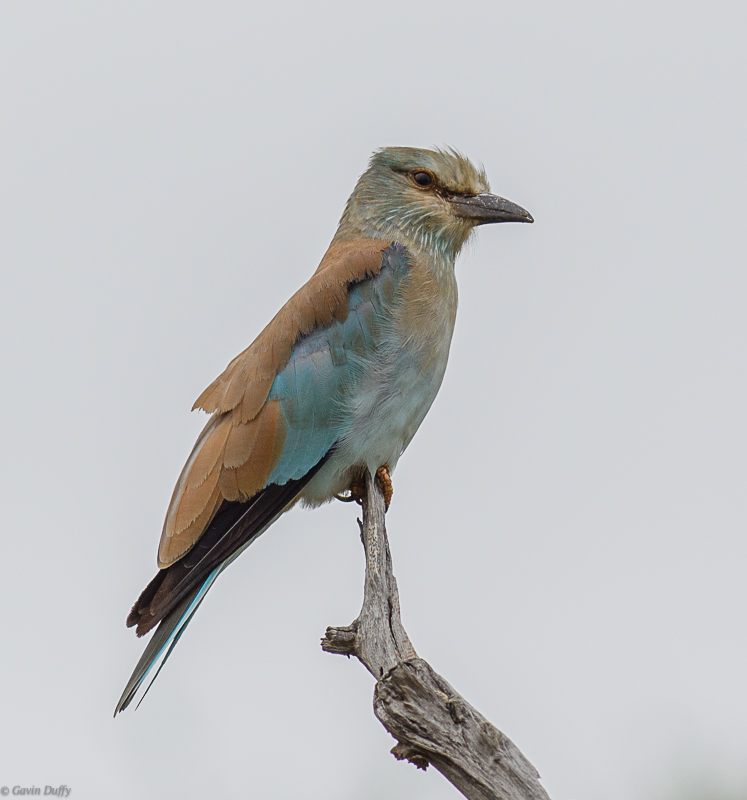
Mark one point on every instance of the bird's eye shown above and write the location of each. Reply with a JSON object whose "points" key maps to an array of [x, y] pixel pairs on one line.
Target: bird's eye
{"points": [[422, 178]]}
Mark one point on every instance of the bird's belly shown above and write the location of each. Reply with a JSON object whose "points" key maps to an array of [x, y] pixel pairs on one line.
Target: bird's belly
{"points": [[383, 411], [387, 417]]}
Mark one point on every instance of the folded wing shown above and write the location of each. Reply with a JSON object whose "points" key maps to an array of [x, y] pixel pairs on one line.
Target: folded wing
{"points": [[278, 407]]}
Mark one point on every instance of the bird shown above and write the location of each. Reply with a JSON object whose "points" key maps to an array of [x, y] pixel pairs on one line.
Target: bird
{"points": [[335, 385]]}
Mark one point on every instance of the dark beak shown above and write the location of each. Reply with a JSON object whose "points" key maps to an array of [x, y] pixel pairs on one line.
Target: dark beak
{"points": [[482, 209]]}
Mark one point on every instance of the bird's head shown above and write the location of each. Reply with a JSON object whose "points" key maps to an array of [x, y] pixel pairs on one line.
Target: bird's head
{"points": [[430, 198]]}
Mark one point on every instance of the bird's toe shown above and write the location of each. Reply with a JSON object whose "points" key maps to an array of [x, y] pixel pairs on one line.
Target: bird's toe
{"points": [[384, 478]]}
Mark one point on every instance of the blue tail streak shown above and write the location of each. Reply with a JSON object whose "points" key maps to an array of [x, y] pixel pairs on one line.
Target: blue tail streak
{"points": [[164, 640]]}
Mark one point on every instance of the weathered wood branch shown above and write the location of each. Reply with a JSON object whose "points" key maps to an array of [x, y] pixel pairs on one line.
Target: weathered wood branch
{"points": [[431, 722]]}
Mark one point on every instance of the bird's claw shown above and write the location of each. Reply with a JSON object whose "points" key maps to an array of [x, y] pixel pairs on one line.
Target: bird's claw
{"points": [[357, 490], [356, 493], [345, 498]]}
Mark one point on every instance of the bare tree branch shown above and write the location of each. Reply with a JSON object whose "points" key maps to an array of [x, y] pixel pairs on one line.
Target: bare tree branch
{"points": [[431, 722]]}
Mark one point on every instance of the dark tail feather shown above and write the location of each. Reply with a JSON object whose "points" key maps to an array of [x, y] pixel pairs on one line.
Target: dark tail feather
{"points": [[163, 641]]}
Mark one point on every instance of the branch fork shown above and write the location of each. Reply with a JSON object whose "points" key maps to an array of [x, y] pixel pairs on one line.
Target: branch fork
{"points": [[431, 722]]}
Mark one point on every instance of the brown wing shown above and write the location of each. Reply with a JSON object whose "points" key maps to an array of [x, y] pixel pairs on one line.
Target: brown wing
{"points": [[243, 441]]}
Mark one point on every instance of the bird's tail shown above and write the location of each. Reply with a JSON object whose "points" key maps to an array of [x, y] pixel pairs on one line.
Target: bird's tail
{"points": [[172, 597], [164, 640], [172, 626], [247, 528]]}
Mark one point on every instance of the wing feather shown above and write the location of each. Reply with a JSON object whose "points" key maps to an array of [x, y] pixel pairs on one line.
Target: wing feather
{"points": [[243, 482], [240, 444], [194, 501]]}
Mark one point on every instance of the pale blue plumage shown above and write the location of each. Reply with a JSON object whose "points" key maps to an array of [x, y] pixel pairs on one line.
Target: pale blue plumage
{"points": [[325, 368]]}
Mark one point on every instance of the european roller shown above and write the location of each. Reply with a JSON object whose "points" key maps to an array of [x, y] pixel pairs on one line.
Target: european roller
{"points": [[337, 383]]}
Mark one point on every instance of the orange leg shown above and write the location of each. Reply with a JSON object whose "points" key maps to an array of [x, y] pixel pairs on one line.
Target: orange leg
{"points": [[385, 481]]}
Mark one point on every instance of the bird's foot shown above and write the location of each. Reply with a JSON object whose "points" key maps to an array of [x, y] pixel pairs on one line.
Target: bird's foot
{"points": [[385, 481], [356, 492]]}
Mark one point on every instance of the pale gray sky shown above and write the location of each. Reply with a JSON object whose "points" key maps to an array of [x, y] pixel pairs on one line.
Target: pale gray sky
{"points": [[569, 525]]}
